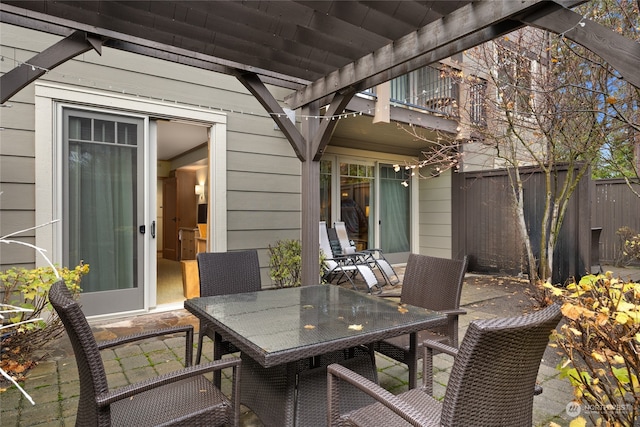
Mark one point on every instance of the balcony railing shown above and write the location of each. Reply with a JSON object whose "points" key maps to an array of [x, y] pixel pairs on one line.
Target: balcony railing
{"points": [[431, 89]]}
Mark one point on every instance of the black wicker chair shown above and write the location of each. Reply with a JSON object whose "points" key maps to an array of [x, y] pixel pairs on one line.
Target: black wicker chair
{"points": [[183, 397], [436, 284], [223, 273], [492, 381]]}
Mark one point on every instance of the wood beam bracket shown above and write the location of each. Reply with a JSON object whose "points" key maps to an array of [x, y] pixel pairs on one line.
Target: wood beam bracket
{"points": [[73, 45], [327, 125], [258, 89]]}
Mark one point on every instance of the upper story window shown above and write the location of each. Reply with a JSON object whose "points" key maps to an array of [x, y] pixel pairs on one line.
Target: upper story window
{"points": [[514, 81], [477, 101]]}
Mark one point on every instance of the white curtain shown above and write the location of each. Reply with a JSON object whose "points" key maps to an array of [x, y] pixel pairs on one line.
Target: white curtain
{"points": [[101, 198], [394, 212]]}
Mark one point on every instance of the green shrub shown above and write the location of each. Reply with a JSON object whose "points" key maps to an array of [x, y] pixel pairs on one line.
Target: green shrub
{"points": [[285, 263], [29, 289]]}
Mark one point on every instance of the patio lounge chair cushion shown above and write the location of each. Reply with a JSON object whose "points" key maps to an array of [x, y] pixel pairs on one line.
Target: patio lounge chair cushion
{"points": [[492, 381], [345, 267], [182, 397]]}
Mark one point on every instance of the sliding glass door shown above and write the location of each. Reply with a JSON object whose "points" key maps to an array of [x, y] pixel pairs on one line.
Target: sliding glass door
{"points": [[104, 204], [372, 202]]}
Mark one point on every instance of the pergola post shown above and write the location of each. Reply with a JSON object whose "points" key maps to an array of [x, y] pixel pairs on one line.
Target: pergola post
{"points": [[310, 201]]}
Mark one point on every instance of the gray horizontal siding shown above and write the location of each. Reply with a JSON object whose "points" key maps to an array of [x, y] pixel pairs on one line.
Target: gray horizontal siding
{"points": [[17, 255], [435, 229], [272, 204], [16, 142], [17, 197], [263, 172], [262, 163], [248, 239], [262, 182], [20, 116], [260, 220], [14, 169]]}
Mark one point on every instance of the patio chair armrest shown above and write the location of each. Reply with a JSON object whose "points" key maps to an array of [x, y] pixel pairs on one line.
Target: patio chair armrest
{"points": [[106, 399], [440, 347], [454, 311], [187, 329], [340, 258], [428, 347], [389, 400]]}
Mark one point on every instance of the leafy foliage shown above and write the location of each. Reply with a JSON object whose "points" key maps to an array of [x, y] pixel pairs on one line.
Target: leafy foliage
{"points": [[29, 289], [285, 263], [630, 246], [601, 339]]}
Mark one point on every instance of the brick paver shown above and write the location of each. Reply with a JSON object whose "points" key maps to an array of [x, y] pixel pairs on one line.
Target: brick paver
{"points": [[54, 383]]}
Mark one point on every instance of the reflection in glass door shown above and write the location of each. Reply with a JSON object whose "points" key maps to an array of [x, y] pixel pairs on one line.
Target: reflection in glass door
{"points": [[103, 207], [356, 200]]}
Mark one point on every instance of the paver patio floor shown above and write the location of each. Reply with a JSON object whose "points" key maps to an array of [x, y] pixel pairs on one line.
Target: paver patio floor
{"points": [[54, 386]]}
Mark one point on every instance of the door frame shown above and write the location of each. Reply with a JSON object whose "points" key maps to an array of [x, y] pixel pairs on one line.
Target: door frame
{"points": [[48, 167]]}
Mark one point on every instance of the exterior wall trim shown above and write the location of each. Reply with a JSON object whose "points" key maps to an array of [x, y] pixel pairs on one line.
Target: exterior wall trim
{"points": [[48, 98]]}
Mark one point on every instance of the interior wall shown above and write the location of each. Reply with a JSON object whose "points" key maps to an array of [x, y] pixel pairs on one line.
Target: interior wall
{"points": [[159, 216]]}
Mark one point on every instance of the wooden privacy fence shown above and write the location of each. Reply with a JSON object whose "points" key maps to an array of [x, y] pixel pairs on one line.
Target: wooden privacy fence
{"points": [[486, 224], [614, 206], [486, 230]]}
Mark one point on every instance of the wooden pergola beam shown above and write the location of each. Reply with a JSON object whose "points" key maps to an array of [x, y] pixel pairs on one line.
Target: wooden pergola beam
{"points": [[327, 126], [253, 83], [621, 53], [457, 25], [73, 45]]}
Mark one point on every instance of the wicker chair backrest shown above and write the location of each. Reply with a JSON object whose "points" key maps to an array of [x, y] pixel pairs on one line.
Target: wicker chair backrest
{"points": [[493, 377], [93, 380], [223, 273], [434, 283]]}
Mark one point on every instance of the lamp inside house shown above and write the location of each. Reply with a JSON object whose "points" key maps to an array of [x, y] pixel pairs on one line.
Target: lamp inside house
{"points": [[199, 190]]}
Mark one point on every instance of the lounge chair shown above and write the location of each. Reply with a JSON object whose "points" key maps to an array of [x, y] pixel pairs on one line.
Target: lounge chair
{"points": [[492, 381], [374, 256], [345, 267]]}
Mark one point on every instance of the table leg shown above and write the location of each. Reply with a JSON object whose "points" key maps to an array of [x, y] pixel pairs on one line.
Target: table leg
{"points": [[413, 359], [217, 354], [269, 392], [295, 394]]}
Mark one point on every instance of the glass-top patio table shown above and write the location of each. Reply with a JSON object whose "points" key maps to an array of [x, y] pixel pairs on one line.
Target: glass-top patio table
{"points": [[277, 329]]}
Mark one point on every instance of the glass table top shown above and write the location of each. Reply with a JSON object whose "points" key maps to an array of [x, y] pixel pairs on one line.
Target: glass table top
{"points": [[281, 320]]}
